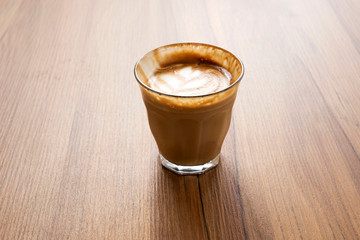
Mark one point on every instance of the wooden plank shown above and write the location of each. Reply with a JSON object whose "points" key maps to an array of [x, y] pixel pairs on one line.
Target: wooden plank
{"points": [[77, 159]]}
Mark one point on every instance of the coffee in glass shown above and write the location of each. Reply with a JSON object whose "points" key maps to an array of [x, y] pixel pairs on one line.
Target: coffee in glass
{"points": [[189, 90]]}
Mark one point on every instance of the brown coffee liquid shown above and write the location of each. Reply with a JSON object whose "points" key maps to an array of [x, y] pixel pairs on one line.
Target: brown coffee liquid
{"points": [[189, 131]]}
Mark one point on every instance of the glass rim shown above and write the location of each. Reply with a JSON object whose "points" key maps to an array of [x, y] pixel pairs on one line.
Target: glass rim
{"points": [[191, 96]]}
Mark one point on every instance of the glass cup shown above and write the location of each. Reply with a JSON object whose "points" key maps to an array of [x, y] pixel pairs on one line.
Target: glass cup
{"points": [[189, 130]]}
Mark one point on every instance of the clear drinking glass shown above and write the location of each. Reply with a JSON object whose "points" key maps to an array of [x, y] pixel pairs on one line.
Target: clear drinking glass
{"points": [[189, 130]]}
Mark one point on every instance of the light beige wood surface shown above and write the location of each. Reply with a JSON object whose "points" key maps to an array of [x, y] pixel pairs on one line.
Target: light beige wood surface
{"points": [[78, 161]]}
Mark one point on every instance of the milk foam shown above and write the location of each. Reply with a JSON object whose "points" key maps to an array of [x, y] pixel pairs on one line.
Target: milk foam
{"points": [[190, 79]]}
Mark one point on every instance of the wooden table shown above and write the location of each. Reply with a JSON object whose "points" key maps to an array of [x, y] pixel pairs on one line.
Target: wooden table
{"points": [[78, 161]]}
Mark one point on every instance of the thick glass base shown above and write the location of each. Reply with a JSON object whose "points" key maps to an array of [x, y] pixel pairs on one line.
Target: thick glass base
{"points": [[189, 170]]}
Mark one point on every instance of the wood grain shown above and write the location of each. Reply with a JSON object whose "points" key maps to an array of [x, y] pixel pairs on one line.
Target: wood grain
{"points": [[77, 159]]}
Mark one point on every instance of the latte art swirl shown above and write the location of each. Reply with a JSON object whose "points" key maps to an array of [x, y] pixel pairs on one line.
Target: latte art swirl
{"points": [[190, 79]]}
